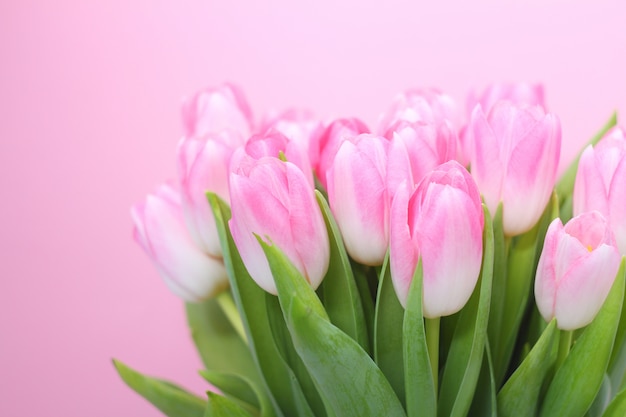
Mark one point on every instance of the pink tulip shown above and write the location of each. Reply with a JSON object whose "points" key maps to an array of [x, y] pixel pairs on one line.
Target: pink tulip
{"points": [[521, 94], [441, 222], [273, 199], [330, 141], [203, 165], [416, 149], [214, 110], [426, 105], [273, 143], [359, 198], [515, 157], [576, 270], [601, 183], [160, 230], [301, 127]]}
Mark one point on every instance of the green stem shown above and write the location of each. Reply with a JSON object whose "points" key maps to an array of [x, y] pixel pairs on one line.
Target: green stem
{"points": [[432, 342], [226, 302], [565, 341]]}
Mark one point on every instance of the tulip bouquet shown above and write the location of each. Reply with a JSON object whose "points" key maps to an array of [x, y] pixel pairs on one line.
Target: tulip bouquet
{"points": [[435, 266]]}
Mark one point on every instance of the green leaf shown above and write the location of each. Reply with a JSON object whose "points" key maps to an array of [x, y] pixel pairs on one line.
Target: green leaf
{"points": [[388, 352], [565, 186], [172, 400], [602, 400], [309, 402], [618, 347], [278, 378], [617, 407], [498, 290], [521, 268], [339, 290], [347, 378], [219, 345], [577, 382], [520, 394], [421, 392], [484, 403], [219, 406], [465, 357], [240, 389]]}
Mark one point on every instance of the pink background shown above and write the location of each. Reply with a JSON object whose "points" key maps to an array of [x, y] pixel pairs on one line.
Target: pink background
{"points": [[89, 121]]}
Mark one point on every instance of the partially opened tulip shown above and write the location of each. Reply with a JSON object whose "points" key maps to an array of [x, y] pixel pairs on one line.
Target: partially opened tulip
{"points": [[441, 222], [160, 230], [359, 197], [576, 270], [416, 149], [203, 165], [521, 94], [514, 161], [274, 144], [331, 139], [601, 183], [214, 110], [424, 106], [273, 199], [299, 126]]}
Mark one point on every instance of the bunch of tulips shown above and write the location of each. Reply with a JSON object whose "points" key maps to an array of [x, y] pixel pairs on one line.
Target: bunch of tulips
{"points": [[433, 266]]}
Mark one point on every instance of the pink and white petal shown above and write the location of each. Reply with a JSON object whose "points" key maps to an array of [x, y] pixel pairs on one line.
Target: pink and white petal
{"points": [[582, 291], [451, 246], [487, 166], [590, 190], [546, 277], [403, 254]]}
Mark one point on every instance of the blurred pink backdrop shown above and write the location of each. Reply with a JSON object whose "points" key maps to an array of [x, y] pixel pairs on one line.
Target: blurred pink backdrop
{"points": [[89, 121]]}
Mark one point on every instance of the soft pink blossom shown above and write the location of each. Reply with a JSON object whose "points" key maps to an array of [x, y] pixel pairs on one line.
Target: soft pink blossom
{"points": [[601, 183], [514, 161], [203, 165], [214, 110], [160, 230], [576, 270], [274, 144], [273, 200], [424, 106], [359, 198], [330, 141], [416, 149], [441, 222], [299, 126]]}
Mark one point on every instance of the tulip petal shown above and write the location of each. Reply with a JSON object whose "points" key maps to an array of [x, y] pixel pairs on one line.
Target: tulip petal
{"points": [[590, 190], [582, 291], [487, 166], [545, 282], [530, 176], [403, 254]]}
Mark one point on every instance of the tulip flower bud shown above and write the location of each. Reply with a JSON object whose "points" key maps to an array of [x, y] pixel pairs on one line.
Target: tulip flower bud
{"points": [[416, 149], [441, 222], [273, 200], [427, 106], [301, 127], [359, 198], [203, 165], [273, 143], [514, 161], [160, 230], [214, 110], [330, 141], [576, 270], [521, 94], [601, 183]]}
